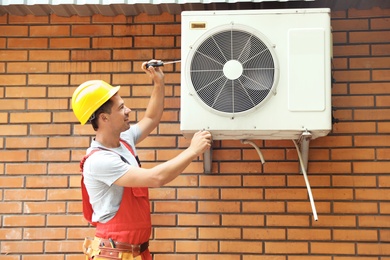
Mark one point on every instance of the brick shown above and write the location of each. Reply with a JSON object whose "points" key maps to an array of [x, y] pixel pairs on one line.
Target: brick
{"points": [[146, 41], [49, 55], [88, 55], [14, 30], [339, 248], [10, 234], [23, 221], [372, 62], [133, 29], [355, 235], [49, 129], [263, 207], [26, 168], [64, 194], [244, 167], [48, 155], [355, 208], [43, 233], [198, 193], [69, 43], [242, 220], [24, 195], [198, 220], [43, 207], [175, 233], [28, 43], [62, 220], [9, 247], [219, 233], [13, 80], [175, 206], [28, 19], [110, 67], [164, 219], [380, 49], [13, 130], [173, 29], [350, 25], [51, 181], [384, 181], [352, 75], [264, 181], [311, 234], [13, 156], [353, 154], [13, 55], [133, 54], [44, 79], [11, 182], [371, 114], [64, 142], [91, 30], [370, 167], [372, 194], [381, 75], [286, 247], [29, 142], [196, 246], [369, 36], [218, 181], [227, 206], [305, 207], [351, 50], [24, 67], [373, 249], [164, 246], [368, 13], [163, 193], [49, 30], [9, 208], [62, 246], [67, 67], [241, 246], [336, 221], [27, 92], [354, 181]]}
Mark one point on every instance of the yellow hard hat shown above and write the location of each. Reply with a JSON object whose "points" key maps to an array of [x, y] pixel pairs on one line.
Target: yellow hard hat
{"points": [[89, 96]]}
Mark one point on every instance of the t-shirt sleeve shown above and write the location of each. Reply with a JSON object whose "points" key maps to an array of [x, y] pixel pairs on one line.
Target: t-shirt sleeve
{"points": [[107, 166]]}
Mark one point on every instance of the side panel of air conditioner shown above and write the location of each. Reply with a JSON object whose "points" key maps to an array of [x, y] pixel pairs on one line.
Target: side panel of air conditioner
{"points": [[301, 99]]}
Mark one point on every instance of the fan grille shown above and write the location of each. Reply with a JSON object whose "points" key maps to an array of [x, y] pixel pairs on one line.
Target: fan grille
{"points": [[232, 71]]}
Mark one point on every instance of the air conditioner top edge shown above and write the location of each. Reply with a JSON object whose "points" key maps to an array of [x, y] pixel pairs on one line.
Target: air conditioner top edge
{"points": [[256, 12]]}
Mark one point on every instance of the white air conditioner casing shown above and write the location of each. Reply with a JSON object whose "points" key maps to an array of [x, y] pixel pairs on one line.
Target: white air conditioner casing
{"points": [[281, 58]]}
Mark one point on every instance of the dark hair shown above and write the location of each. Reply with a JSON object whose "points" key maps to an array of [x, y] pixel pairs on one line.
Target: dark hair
{"points": [[105, 108]]}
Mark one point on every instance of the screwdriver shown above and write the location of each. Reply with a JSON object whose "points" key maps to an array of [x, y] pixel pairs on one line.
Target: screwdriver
{"points": [[160, 63]]}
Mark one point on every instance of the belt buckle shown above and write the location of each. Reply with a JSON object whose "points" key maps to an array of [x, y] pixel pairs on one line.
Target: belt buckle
{"points": [[136, 250]]}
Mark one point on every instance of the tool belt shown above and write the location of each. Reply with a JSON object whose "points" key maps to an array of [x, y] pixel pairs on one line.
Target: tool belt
{"points": [[98, 248]]}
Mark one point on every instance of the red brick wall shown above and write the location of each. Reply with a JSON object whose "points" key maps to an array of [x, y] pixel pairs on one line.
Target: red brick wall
{"points": [[243, 210]]}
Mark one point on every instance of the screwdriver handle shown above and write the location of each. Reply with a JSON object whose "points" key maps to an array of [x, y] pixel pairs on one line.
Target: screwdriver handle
{"points": [[154, 64]]}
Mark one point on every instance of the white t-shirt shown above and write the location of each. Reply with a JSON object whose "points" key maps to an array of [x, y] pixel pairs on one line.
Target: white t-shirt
{"points": [[102, 169]]}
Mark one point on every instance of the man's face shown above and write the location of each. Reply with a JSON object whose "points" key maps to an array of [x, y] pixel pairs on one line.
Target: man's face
{"points": [[119, 117]]}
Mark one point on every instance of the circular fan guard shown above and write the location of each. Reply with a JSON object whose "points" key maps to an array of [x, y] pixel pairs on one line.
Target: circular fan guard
{"points": [[233, 71]]}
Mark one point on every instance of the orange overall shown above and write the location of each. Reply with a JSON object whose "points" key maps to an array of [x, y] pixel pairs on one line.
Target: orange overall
{"points": [[132, 222]]}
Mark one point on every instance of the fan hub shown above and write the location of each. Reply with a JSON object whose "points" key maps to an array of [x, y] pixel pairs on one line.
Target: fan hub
{"points": [[233, 69]]}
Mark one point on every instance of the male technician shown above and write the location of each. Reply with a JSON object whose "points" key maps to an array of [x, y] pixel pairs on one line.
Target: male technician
{"points": [[115, 188]]}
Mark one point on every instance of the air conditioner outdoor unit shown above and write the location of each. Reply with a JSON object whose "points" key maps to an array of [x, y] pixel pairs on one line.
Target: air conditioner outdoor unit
{"points": [[256, 74]]}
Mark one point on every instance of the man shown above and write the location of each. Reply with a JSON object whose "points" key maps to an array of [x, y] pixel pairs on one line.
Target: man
{"points": [[115, 188]]}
